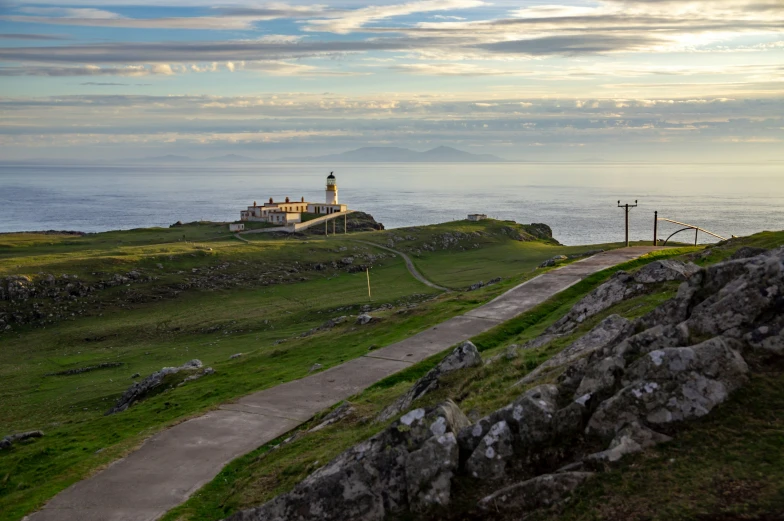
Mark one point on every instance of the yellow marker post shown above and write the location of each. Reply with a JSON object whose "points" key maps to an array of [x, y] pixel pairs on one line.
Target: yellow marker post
{"points": [[367, 271]]}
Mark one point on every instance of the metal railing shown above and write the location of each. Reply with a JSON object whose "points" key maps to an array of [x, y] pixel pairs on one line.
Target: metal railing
{"points": [[686, 227]]}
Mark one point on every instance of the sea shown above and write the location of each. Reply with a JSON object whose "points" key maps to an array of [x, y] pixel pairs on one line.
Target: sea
{"points": [[578, 201]]}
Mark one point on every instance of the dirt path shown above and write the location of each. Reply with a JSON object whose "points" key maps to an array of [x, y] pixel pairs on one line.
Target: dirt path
{"points": [[175, 463], [409, 264]]}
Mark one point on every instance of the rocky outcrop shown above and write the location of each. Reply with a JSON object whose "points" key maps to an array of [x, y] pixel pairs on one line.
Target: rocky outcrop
{"points": [[616, 388], [45, 298], [139, 390], [464, 356], [542, 491], [8, 441], [620, 287], [408, 467]]}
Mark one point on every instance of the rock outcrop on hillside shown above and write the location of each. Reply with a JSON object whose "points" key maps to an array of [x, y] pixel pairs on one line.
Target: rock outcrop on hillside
{"points": [[46, 298], [187, 372], [622, 387]]}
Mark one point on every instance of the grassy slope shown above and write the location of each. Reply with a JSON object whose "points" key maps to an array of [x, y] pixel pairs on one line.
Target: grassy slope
{"points": [[726, 466], [482, 258], [261, 475], [207, 324]]}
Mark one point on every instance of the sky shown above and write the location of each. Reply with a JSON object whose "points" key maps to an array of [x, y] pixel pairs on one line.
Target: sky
{"points": [[614, 80]]}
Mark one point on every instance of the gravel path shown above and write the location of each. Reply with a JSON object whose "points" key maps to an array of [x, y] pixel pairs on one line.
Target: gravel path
{"points": [[409, 264]]}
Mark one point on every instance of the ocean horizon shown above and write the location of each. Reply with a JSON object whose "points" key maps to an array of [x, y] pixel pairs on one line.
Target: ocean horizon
{"points": [[577, 200]]}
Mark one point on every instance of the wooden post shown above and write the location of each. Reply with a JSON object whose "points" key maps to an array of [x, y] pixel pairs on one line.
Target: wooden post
{"points": [[696, 232], [345, 224], [655, 227], [367, 271], [326, 230], [333, 226]]}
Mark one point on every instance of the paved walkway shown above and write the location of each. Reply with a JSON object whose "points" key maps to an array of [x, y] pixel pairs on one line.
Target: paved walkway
{"points": [[174, 463], [409, 264]]}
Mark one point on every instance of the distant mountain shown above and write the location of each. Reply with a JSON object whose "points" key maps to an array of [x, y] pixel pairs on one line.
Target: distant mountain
{"points": [[169, 158], [231, 158], [401, 155]]}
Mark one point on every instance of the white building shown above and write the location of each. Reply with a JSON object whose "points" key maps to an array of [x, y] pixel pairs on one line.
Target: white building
{"points": [[288, 212], [476, 216], [234, 227]]}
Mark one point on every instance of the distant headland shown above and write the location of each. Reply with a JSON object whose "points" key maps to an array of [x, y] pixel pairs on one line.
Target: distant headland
{"points": [[441, 154]]}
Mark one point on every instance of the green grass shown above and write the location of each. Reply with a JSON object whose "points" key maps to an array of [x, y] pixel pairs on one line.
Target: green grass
{"points": [[263, 474], [155, 324], [729, 463]]}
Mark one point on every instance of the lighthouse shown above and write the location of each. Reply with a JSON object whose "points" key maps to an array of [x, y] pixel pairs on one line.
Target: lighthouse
{"points": [[332, 189]]}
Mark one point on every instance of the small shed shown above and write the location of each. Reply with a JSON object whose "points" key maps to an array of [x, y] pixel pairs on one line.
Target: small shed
{"points": [[236, 227], [476, 216]]}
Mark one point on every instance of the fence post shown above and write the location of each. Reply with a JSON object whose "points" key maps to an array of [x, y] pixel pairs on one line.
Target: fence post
{"points": [[655, 227]]}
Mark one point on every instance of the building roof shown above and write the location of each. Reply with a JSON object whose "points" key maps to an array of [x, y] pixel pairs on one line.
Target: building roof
{"points": [[331, 176]]}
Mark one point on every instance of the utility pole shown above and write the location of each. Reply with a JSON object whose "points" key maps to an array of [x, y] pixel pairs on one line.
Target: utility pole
{"points": [[627, 206]]}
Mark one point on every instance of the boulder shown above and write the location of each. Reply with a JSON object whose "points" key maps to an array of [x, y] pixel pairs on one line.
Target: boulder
{"points": [[619, 288], [607, 333], [631, 439], [672, 385], [539, 492], [363, 319], [407, 466], [488, 461], [553, 261], [9, 440], [665, 270], [464, 356], [529, 419], [142, 388], [429, 472]]}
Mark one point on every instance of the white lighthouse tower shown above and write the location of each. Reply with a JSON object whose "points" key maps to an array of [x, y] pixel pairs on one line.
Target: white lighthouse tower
{"points": [[332, 189]]}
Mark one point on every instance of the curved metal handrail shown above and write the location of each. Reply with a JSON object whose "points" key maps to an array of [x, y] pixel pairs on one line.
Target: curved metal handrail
{"points": [[688, 227]]}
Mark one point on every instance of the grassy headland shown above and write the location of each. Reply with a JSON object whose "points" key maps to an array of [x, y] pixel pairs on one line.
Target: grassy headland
{"points": [[725, 466], [145, 299]]}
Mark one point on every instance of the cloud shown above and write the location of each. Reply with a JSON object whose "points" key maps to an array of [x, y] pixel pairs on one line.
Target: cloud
{"points": [[29, 36], [112, 84], [358, 19], [454, 69], [197, 51], [572, 45], [87, 70], [69, 12]]}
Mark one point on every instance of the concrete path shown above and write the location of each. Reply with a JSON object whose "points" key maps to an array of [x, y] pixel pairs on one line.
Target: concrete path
{"points": [[409, 264], [174, 463]]}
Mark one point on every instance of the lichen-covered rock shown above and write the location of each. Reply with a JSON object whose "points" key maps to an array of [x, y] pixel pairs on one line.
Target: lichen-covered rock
{"points": [[464, 356], [665, 270], [488, 461], [607, 333], [529, 419], [541, 491], [672, 385], [620, 287], [429, 472], [631, 439], [601, 378], [408, 465]]}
